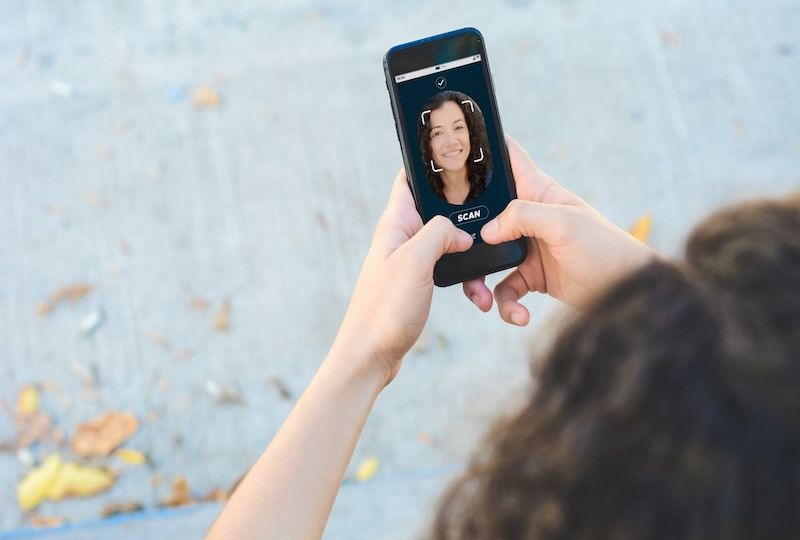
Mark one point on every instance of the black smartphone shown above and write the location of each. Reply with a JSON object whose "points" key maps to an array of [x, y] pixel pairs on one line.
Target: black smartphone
{"points": [[454, 152]]}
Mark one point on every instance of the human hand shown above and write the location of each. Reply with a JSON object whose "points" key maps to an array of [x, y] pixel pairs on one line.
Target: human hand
{"points": [[392, 297], [573, 251]]}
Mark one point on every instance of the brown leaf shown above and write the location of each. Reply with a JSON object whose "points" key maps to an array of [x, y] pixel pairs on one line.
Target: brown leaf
{"points": [[183, 354], [112, 509], [425, 438], [180, 495], [205, 97], [158, 339], [103, 151], [668, 38], [280, 387], [199, 304], [99, 436], [47, 521], [216, 494], [33, 428], [71, 293], [222, 320]]}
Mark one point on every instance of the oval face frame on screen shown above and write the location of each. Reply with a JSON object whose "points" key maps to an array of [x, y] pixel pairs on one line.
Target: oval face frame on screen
{"points": [[451, 138]]}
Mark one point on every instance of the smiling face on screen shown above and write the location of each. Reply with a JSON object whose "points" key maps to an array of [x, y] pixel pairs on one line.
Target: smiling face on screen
{"points": [[449, 137]]}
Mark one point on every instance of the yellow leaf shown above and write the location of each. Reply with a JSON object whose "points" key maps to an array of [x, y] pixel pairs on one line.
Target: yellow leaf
{"points": [[222, 319], [641, 229], [204, 97], [28, 401], [80, 481], [34, 487], [130, 456], [367, 469]]}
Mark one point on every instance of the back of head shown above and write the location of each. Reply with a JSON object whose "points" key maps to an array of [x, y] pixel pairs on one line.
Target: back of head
{"points": [[670, 409]]}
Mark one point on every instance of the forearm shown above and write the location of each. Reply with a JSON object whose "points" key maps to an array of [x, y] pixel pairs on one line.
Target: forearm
{"points": [[290, 490]]}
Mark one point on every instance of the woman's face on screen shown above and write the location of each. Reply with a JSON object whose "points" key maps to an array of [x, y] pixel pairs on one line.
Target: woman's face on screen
{"points": [[449, 137]]}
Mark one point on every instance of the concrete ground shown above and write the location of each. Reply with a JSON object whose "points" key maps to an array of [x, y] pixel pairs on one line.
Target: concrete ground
{"points": [[110, 176]]}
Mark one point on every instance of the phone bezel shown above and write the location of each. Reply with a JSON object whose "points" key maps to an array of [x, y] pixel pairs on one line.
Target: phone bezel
{"points": [[482, 259]]}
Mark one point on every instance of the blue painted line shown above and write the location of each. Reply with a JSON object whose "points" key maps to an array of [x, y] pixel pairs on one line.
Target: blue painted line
{"points": [[113, 521]]}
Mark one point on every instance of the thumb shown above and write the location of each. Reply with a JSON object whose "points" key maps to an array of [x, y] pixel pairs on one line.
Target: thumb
{"points": [[529, 219], [437, 237]]}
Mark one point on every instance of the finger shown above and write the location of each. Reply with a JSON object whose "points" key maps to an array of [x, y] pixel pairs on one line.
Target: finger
{"points": [[400, 194], [532, 184], [478, 293], [434, 239], [548, 222], [507, 293]]}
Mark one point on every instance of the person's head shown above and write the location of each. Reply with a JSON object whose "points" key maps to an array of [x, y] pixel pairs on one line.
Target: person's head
{"points": [[669, 409], [452, 137]]}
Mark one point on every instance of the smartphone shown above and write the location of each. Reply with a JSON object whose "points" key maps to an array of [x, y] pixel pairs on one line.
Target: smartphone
{"points": [[455, 155]]}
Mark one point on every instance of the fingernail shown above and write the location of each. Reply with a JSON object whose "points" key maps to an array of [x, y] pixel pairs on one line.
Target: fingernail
{"points": [[518, 318], [490, 228], [474, 299]]}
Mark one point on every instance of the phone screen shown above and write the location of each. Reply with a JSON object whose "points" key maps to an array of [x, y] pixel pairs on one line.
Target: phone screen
{"points": [[450, 134], [453, 141]]}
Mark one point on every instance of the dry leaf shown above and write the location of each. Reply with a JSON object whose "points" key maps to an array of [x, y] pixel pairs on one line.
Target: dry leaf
{"points": [[367, 469], [641, 229], [199, 304], [280, 387], [27, 401], [86, 375], [183, 354], [425, 438], [222, 320], [216, 494], [34, 428], [76, 480], [205, 97], [71, 293], [130, 456], [33, 488], [103, 151], [668, 38], [112, 509], [47, 521], [180, 495], [94, 199], [54, 480], [158, 339], [156, 480], [99, 436]]}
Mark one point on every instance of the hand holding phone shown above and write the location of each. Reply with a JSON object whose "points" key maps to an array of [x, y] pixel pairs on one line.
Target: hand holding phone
{"points": [[574, 252]]}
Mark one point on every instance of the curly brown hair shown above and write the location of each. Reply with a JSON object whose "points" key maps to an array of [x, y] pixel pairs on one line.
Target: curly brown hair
{"points": [[477, 173], [669, 410]]}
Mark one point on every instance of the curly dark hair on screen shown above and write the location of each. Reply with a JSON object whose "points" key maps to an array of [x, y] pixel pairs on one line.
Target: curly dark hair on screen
{"points": [[478, 138], [669, 410]]}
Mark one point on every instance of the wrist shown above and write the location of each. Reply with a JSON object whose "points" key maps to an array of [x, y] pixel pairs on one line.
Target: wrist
{"points": [[357, 362]]}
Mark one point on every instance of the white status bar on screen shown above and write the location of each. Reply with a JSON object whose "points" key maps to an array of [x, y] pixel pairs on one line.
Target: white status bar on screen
{"points": [[436, 69]]}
